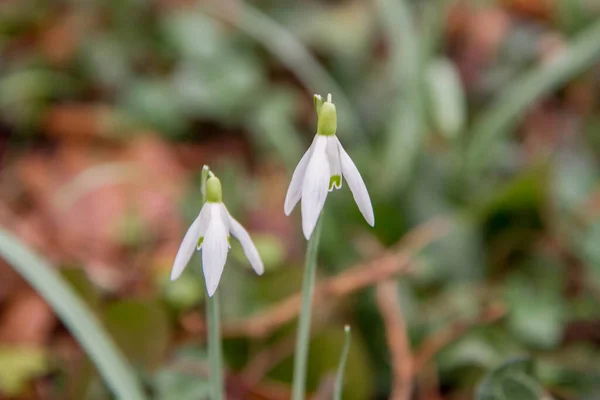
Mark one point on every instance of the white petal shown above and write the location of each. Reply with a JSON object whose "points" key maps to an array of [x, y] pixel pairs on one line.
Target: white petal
{"points": [[357, 186], [295, 189], [314, 186], [204, 218], [242, 235], [188, 244], [214, 248], [335, 165]]}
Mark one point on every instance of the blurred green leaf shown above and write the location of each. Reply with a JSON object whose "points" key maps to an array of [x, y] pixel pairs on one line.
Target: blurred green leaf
{"points": [[454, 257], [106, 61], [539, 325], [270, 247], [193, 34], [536, 309], [292, 53], [573, 178], [573, 15], [446, 98], [75, 315], [343, 31], [185, 378], [18, 365], [405, 128], [510, 381], [183, 293], [588, 246], [173, 385], [79, 281], [141, 329], [526, 191], [25, 91], [520, 95], [154, 104], [469, 351], [220, 88], [325, 348], [520, 387], [273, 125]]}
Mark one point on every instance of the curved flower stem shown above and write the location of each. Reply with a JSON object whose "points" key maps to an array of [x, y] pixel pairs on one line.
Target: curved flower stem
{"points": [[214, 323], [303, 338]]}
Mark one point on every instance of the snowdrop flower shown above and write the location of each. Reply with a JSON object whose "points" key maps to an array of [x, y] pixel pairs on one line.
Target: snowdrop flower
{"points": [[210, 233], [320, 171]]}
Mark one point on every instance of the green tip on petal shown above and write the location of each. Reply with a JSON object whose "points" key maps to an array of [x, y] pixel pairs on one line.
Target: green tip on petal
{"points": [[214, 193], [327, 118], [335, 182]]}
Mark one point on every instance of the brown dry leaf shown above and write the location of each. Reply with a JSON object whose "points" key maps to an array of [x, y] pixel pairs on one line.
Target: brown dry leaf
{"points": [[160, 184], [58, 41], [87, 196], [11, 281], [76, 121], [533, 8], [476, 33]]}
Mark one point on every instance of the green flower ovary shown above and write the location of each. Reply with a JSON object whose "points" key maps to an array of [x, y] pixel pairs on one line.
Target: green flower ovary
{"points": [[327, 120], [214, 193]]}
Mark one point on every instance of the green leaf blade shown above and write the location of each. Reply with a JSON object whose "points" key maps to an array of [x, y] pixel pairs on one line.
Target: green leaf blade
{"points": [[76, 316]]}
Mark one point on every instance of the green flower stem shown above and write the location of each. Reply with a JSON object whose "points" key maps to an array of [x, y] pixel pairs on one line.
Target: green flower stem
{"points": [[339, 379], [303, 339], [214, 347], [214, 323]]}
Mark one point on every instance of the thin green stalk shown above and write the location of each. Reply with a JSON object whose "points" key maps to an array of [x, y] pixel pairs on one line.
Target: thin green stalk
{"points": [[339, 379], [214, 347], [214, 323], [405, 129], [303, 338]]}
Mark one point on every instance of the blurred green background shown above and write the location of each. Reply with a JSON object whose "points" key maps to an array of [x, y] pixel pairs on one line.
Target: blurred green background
{"points": [[475, 125]]}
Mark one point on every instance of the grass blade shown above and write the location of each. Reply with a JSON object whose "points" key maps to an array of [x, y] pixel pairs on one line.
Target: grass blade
{"points": [[405, 129], [294, 55], [76, 316], [515, 100], [339, 378]]}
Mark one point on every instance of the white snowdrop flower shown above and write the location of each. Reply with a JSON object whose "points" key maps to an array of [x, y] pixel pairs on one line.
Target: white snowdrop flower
{"points": [[321, 170], [210, 233]]}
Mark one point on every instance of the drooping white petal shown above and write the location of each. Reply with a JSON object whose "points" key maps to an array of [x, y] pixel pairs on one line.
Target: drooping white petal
{"points": [[357, 186], [315, 186], [214, 248], [189, 242], [295, 189], [335, 165], [242, 235], [204, 218]]}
